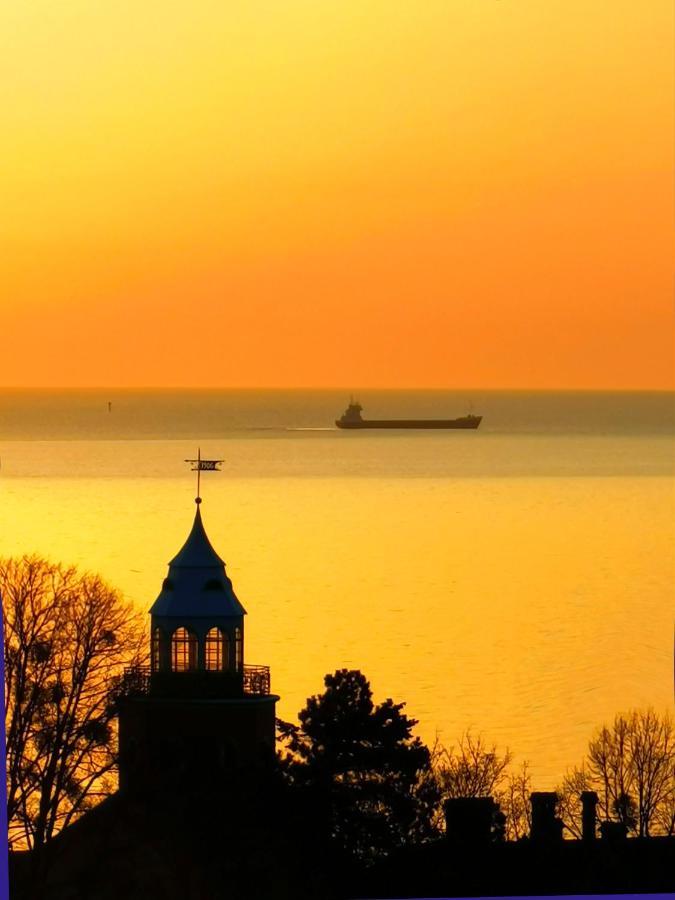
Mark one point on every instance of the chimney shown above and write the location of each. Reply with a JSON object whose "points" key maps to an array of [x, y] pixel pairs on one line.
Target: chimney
{"points": [[546, 827], [589, 801], [469, 820]]}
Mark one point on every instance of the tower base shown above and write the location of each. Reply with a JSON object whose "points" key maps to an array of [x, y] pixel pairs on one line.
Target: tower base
{"points": [[163, 741]]}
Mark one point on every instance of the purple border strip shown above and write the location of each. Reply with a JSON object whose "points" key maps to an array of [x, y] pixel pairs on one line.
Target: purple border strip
{"points": [[4, 849]]}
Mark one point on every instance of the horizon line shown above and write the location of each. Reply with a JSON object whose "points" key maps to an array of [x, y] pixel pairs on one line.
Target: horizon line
{"points": [[339, 388]]}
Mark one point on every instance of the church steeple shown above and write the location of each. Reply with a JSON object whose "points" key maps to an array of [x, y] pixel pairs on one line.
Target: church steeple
{"points": [[197, 585], [199, 709], [197, 549], [197, 619]]}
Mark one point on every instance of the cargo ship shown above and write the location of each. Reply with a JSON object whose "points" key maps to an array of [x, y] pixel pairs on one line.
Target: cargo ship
{"points": [[352, 418]]}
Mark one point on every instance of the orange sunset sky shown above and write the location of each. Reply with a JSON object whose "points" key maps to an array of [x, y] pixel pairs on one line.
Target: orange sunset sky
{"points": [[298, 193]]}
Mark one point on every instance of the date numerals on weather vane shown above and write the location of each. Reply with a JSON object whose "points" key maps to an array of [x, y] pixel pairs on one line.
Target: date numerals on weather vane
{"points": [[200, 465]]}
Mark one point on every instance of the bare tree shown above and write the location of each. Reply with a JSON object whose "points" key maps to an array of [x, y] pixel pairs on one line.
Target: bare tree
{"points": [[664, 816], [574, 783], [652, 759], [472, 769], [608, 764], [631, 766], [475, 768], [67, 635], [514, 800]]}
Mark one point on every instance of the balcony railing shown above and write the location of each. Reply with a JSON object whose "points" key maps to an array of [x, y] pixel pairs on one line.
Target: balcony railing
{"points": [[140, 681], [257, 680]]}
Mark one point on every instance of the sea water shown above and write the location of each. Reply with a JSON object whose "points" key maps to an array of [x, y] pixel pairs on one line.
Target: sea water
{"points": [[516, 580]]}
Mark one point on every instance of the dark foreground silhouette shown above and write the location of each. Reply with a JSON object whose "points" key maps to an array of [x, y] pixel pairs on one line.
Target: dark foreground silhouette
{"points": [[253, 837], [472, 860], [206, 810], [349, 810], [242, 838]]}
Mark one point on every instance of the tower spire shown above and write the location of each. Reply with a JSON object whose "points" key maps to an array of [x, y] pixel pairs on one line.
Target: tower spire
{"points": [[200, 700]]}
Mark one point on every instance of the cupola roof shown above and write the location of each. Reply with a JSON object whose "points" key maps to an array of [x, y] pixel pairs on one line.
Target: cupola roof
{"points": [[197, 585], [197, 552]]}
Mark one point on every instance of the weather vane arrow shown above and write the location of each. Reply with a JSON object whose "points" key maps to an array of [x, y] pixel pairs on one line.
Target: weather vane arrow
{"points": [[200, 465]]}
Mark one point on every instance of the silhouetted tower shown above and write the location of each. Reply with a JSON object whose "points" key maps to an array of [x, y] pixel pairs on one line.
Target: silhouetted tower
{"points": [[198, 709], [197, 621]]}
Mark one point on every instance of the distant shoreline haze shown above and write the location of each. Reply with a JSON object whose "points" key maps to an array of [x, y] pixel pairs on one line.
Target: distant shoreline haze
{"points": [[348, 389], [207, 414]]}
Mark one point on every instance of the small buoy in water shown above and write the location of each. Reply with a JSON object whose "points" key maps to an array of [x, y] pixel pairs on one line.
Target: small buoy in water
{"points": [[109, 406]]}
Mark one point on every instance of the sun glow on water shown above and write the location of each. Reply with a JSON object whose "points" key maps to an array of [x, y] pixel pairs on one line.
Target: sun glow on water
{"points": [[516, 583]]}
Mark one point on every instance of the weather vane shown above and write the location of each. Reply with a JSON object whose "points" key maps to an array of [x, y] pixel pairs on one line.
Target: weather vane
{"points": [[200, 465]]}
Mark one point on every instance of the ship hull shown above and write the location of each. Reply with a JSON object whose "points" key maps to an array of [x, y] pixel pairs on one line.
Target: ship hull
{"points": [[464, 423]]}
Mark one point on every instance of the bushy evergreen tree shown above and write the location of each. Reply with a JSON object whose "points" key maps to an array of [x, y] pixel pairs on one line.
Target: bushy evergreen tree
{"points": [[370, 780]]}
